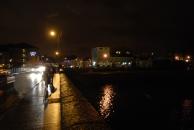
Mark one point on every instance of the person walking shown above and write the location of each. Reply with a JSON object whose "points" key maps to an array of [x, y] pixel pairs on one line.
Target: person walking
{"points": [[49, 87], [50, 75]]}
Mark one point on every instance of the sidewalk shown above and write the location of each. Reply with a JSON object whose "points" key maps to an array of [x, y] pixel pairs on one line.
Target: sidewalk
{"points": [[77, 112], [55, 97], [52, 114]]}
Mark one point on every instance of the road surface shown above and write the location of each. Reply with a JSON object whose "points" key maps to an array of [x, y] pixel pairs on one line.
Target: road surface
{"points": [[32, 112]]}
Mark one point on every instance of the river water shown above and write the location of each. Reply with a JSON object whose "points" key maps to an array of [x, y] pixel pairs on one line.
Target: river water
{"points": [[140, 100]]}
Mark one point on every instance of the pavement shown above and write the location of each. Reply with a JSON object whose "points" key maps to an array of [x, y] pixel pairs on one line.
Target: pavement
{"points": [[52, 118], [55, 97]]}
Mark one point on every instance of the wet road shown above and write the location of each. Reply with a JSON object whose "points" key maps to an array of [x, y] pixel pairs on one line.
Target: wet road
{"points": [[32, 112]]}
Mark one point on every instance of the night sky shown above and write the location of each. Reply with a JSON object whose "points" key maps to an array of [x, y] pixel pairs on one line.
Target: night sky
{"points": [[141, 25]]}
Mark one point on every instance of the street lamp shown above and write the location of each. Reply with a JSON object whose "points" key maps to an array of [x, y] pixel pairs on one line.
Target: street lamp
{"points": [[58, 35], [105, 55], [57, 53], [52, 33]]}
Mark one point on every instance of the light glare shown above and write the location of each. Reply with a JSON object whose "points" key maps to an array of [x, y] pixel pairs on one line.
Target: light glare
{"points": [[52, 33], [105, 55]]}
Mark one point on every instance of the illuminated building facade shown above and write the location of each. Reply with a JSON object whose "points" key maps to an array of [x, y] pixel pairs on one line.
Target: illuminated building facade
{"points": [[75, 62], [100, 56], [15, 55], [122, 58]]}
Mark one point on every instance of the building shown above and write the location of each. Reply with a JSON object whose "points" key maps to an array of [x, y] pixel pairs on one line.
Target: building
{"points": [[122, 58], [100, 57], [121, 61], [16, 55], [104, 57], [76, 62]]}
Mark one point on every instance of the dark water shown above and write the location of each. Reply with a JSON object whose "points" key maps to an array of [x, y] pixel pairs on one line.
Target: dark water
{"points": [[140, 100]]}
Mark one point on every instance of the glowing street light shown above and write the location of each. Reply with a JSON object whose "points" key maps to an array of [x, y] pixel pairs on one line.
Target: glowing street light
{"points": [[176, 58], [188, 57], [57, 53], [52, 33], [105, 55], [57, 36]]}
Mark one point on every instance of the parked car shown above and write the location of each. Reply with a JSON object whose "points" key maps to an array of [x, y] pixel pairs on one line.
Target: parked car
{"points": [[3, 81]]}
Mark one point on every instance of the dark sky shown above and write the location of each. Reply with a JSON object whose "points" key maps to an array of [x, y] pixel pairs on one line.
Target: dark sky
{"points": [[134, 24]]}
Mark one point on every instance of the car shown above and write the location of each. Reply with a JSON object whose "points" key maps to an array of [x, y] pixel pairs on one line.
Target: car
{"points": [[3, 81], [5, 78]]}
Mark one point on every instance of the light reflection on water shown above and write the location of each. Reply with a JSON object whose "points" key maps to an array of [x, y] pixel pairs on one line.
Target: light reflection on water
{"points": [[106, 101], [186, 109], [184, 117]]}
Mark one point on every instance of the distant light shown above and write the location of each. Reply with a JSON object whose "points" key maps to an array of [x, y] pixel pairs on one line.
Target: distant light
{"points": [[118, 52], [36, 76], [105, 55], [57, 53], [10, 60], [127, 52], [177, 58], [94, 63], [129, 63], [41, 69], [32, 53], [188, 57], [52, 33], [187, 60], [124, 63]]}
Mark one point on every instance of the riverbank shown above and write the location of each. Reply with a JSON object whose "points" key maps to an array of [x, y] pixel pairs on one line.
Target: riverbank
{"points": [[77, 112]]}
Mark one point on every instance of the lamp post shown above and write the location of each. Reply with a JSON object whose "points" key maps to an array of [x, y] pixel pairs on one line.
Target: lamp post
{"points": [[56, 35]]}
